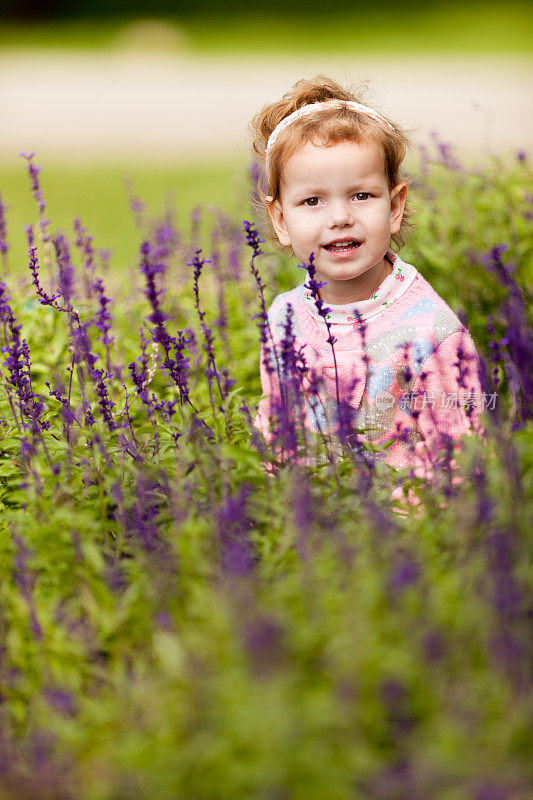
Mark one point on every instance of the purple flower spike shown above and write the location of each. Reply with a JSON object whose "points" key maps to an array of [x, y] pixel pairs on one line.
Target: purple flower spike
{"points": [[253, 241], [139, 376], [236, 550], [84, 243], [18, 364], [103, 399], [446, 157], [211, 372], [140, 522], [103, 318], [3, 233], [314, 286], [61, 701], [33, 172], [175, 361], [66, 409], [46, 299], [263, 639], [404, 574], [66, 271], [252, 237], [517, 357], [289, 409]]}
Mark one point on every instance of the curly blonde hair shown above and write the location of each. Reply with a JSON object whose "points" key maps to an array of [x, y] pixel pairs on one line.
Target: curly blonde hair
{"points": [[328, 126]]}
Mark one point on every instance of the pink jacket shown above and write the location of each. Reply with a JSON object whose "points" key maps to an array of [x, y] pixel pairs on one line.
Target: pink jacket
{"points": [[419, 379]]}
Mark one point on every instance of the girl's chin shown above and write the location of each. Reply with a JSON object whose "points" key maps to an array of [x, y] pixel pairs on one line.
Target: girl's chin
{"points": [[340, 275]]}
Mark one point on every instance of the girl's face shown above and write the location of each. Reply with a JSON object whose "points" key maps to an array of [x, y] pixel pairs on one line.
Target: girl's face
{"points": [[335, 202]]}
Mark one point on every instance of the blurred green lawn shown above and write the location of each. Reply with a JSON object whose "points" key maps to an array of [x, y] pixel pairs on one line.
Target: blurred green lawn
{"points": [[98, 195], [96, 192], [466, 28]]}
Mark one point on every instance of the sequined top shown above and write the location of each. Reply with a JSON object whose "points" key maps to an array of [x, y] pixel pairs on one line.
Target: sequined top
{"points": [[409, 370]]}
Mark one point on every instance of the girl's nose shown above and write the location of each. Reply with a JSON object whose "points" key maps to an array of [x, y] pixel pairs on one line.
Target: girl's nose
{"points": [[341, 214]]}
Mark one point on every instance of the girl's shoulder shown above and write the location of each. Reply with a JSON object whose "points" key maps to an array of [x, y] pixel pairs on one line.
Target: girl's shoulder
{"points": [[419, 320], [423, 309]]}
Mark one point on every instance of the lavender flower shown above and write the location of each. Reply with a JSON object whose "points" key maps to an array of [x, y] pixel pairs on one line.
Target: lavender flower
{"points": [[89, 416], [257, 181], [234, 252], [197, 263], [46, 299], [293, 363], [256, 439], [3, 237], [103, 399], [395, 700], [136, 205], [489, 790], [103, 318], [166, 408], [82, 347], [269, 355], [140, 375], [18, 364], [507, 596], [254, 241], [463, 371], [105, 257], [177, 365], [494, 263], [405, 573], [263, 640], [434, 646], [495, 348], [314, 287], [165, 239], [4, 247], [33, 172], [518, 360], [61, 701], [236, 551], [447, 159], [66, 271], [66, 409], [82, 352], [395, 779], [140, 520], [289, 408]]}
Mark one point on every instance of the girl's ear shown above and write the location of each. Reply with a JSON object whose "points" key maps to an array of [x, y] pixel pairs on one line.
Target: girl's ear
{"points": [[278, 221], [398, 197]]}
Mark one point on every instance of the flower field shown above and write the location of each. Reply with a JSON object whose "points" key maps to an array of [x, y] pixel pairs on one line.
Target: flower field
{"points": [[190, 613]]}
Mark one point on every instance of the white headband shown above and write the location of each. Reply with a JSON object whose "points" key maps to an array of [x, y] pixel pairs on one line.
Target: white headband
{"points": [[312, 107]]}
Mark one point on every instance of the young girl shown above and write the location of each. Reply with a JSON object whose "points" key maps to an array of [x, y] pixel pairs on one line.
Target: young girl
{"points": [[332, 193]]}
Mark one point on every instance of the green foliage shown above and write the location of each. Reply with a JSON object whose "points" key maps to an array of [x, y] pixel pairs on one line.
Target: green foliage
{"points": [[352, 647]]}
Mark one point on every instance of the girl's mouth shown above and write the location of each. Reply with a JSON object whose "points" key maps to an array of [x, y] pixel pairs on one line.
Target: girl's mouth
{"points": [[343, 247]]}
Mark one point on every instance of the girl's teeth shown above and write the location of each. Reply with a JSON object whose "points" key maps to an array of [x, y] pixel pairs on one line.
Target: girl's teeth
{"points": [[342, 246]]}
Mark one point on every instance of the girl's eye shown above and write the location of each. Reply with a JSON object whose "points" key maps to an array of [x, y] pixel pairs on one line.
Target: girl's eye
{"points": [[362, 195], [311, 201]]}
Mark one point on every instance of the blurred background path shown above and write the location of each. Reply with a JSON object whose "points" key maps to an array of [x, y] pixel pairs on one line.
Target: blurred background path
{"points": [[154, 96], [78, 106]]}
